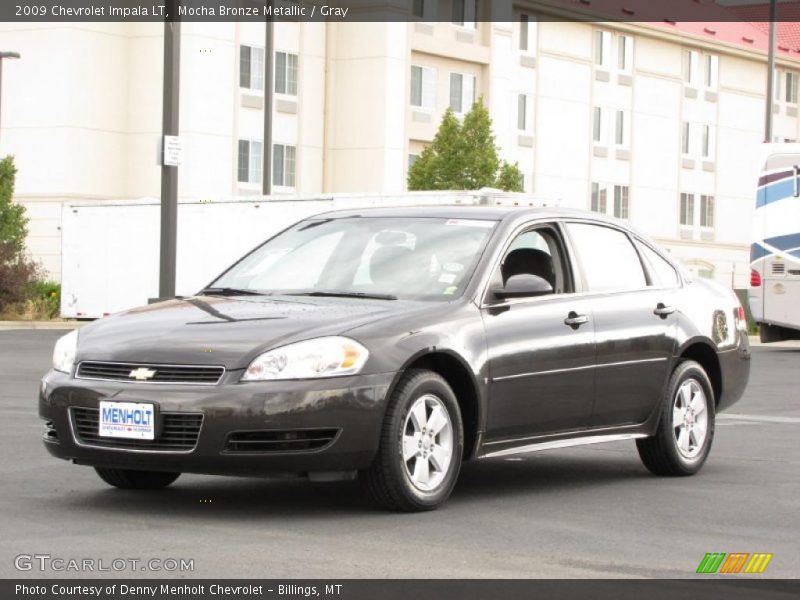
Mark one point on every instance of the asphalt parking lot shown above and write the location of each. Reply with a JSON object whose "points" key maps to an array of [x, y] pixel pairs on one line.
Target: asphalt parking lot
{"points": [[582, 512]]}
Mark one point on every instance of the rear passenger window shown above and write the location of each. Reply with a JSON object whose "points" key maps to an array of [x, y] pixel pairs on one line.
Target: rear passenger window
{"points": [[663, 272], [608, 258]]}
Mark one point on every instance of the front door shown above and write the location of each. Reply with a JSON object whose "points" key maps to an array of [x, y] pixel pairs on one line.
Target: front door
{"points": [[541, 350]]}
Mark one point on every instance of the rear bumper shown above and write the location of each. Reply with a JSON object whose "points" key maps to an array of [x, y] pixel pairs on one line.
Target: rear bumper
{"points": [[734, 373], [352, 405]]}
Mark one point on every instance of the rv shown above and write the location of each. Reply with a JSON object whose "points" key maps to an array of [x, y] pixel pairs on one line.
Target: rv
{"points": [[774, 293]]}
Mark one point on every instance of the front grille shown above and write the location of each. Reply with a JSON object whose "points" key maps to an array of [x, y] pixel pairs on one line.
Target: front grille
{"points": [[178, 432], [139, 373], [301, 440]]}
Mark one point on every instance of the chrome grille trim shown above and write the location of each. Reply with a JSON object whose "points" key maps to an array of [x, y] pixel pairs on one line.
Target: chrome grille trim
{"points": [[165, 374]]}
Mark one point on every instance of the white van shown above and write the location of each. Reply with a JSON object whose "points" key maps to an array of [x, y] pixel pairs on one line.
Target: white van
{"points": [[774, 293]]}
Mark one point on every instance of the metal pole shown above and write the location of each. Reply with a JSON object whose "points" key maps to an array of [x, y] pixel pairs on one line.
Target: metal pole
{"points": [[269, 57], [169, 175], [773, 17]]}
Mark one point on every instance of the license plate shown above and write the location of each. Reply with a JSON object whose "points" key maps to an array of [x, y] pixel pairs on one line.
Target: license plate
{"points": [[127, 420]]}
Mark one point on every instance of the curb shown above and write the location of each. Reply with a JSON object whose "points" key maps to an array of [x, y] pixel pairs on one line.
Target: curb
{"points": [[41, 325], [755, 341]]}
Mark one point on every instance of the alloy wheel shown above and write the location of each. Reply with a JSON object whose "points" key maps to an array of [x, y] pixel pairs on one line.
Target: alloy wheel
{"points": [[690, 419], [427, 443]]}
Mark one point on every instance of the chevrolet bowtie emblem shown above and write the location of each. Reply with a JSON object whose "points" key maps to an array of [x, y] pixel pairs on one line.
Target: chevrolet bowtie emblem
{"points": [[142, 374]]}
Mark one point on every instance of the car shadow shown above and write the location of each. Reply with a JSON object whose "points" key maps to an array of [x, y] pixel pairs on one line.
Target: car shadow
{"points": [[234, 498]]}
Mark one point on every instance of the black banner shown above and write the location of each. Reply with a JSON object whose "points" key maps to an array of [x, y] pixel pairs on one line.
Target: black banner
{"points": [[462, 11], [732, 588]]}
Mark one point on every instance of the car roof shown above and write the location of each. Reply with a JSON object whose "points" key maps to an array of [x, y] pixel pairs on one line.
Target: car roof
{"points": [[479, 212]]}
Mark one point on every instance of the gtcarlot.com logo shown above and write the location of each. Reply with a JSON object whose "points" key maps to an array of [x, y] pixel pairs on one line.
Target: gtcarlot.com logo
{"points": [[47, 562], [736, 562]]}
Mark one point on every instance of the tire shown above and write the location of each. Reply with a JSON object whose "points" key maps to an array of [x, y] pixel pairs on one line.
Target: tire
{"points": [[128, 479], [683, 439], [423, 481]]}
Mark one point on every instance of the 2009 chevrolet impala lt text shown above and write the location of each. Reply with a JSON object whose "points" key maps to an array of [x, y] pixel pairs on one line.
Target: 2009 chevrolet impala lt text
{"points": [[396, 343]]}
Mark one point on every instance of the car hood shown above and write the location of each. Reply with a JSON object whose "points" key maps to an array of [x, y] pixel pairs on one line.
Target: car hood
{"points": [[212, 330]]}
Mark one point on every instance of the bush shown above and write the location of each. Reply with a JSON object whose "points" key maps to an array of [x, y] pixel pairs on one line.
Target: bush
{"points": [[17, 275], [44, 299]]}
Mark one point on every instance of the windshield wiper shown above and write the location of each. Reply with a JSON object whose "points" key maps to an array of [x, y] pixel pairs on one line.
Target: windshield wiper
{"points": [[345, 294], [228, 291]]}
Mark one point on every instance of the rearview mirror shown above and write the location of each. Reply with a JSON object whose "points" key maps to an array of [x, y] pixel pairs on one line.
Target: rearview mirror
{"points": [[523, 285]]}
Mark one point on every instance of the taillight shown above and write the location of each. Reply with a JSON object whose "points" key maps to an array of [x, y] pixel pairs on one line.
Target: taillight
{"points": [[740, 313], [755, 278], [739, 318]]}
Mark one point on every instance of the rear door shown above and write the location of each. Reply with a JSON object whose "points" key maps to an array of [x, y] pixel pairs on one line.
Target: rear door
{"points": [[634, 321]]}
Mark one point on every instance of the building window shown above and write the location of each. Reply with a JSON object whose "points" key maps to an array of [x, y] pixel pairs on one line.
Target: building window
{"points": [[412, 158], [791, 88], [527, 33], [691, 64], [686, 138], [621, 201], [709, 147], [522, 112], [249, 163], [625, 53], [284, 160], [465, 13], [423, 87], [597, 125], [707, 211], [602, 47], [286, 73], [687, 210], [251, 68], [462, 92], [599, 198], [621, 134], [418, 8], [712, 71]]}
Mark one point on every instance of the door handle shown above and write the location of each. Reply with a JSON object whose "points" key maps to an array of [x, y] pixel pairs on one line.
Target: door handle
{"points": [[663, 311], [575, 320]]}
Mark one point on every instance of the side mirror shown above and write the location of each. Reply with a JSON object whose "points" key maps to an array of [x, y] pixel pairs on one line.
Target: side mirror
{"points": [[523, 286]]}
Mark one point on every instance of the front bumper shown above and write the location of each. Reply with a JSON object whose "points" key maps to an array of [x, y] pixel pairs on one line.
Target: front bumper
{"points": [[354, 406]]}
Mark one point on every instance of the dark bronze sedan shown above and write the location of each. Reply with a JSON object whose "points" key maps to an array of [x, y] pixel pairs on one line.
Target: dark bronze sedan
{"points": [[396, 343]]}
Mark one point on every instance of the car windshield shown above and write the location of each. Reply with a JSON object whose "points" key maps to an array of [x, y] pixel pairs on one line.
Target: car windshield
{"points": [[386, 258]]}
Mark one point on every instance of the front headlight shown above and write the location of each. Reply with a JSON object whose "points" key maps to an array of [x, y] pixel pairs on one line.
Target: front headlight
{"points": [[311, 359], [65, 351]]}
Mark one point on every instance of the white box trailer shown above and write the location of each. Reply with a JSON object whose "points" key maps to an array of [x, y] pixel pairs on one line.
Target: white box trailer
{"points": [[110, 251]]}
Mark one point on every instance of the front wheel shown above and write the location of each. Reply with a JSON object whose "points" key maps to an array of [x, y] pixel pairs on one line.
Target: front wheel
{"points": [[686, 427], [421, 445], [128, 479]]}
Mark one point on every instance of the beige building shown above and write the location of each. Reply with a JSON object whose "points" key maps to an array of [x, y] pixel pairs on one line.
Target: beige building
{"points": [[654, 123]]}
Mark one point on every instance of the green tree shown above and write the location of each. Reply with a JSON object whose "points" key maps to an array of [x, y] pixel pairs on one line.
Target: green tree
{"points": [[17, 271], [464, 156], [13, 222]]}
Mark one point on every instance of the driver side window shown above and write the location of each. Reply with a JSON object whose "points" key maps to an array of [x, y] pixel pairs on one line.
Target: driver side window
{"points": [[535, 252]]}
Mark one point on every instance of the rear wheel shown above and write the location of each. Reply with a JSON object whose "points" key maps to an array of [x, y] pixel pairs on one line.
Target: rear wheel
{"points": [[686, 428], [421, 446], [128, 479]]}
